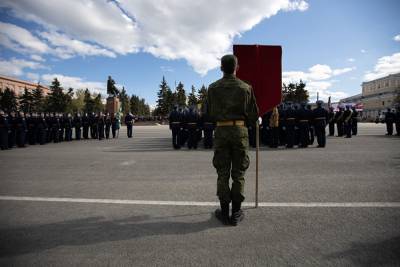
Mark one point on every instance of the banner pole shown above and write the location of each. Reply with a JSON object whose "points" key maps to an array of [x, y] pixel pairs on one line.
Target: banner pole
{"points": [[257, 158]]}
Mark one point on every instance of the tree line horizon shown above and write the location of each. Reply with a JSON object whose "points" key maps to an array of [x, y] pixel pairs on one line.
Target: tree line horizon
{"points": [[60, 100]]}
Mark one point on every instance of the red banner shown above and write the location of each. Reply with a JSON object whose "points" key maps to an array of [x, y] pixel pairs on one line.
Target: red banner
{"points": [[261, 66]]}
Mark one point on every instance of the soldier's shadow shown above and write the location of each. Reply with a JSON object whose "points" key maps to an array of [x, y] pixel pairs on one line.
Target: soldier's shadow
{"points": [[92, 230]]}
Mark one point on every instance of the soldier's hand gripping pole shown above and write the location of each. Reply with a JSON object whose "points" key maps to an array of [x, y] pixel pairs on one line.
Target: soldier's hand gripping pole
{"points": [[257, 150]]}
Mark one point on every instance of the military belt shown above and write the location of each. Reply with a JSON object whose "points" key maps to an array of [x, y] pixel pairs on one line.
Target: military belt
{"points": [[320, 118], [290, 119], [230, 123], [192, 123], [303, 120], [175, 122]]}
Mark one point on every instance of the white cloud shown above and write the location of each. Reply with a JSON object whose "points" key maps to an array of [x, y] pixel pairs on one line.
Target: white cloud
{"points": [[20, 40], [363, 51], [37, 58], [33, 77], [76, 83], [397, 38], [351, 59], [192, 30], [385, 66], [318, 79], [16, 67], [67, 47]]}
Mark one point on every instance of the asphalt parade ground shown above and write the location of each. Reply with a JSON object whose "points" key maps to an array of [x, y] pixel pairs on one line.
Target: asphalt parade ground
{"points": [[138, 202]]}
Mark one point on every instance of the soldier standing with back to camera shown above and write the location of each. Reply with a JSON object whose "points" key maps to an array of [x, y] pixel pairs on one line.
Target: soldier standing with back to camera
{"points": [[108, 125], [78, 126], [389, 119], [339, 122], [354, 121], [232, 104], [397, 120], [85, 126], [320, 115], [175, 127], [347, 114], [331, 122], [4, 129]]}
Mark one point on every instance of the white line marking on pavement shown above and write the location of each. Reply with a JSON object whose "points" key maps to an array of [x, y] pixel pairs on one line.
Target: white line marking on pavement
{"points": [[200, 203]]}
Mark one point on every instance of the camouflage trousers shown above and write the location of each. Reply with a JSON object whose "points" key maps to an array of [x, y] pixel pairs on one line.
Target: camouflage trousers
{"points": [[231, 160]]}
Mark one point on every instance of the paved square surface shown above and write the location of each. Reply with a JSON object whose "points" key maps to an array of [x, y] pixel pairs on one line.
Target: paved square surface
{"points": [[138, 202]]}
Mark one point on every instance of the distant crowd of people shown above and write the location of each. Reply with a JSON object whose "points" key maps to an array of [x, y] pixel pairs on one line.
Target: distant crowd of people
{"points": [[18, 129], [390, 117]]}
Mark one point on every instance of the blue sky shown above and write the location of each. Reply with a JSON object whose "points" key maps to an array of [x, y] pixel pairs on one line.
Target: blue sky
{"points": [[333, 45]]}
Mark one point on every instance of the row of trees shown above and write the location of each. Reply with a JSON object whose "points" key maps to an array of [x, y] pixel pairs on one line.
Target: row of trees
{"points": [[167, 98], [295, 92], [67, 101]]}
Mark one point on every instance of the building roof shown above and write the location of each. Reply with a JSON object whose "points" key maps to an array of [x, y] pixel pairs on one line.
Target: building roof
{"points": [[383, 78], [2, 77]]}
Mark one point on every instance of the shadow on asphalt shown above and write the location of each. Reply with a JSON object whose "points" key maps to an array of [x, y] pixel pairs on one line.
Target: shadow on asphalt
{"points": [[92, 230], [384, 253]]}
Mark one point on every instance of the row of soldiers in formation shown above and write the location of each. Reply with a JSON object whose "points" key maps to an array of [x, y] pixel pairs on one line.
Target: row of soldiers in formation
{"points": [[391, 118], [20, 129], [286, 125]]}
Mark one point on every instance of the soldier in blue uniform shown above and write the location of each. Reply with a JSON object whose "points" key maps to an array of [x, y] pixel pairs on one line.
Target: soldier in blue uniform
{"points": [[290, 122], [354, 121], [78, 126], [85, 126], [68, 123], [331, 122], [12, 135], [41, 129], [129, 124], [304, 120], [339, 122], [389, 120], [21, 129], [100, 126], [311, 127], [266, 130], [192, 125], [347, 116], [208, 127]]}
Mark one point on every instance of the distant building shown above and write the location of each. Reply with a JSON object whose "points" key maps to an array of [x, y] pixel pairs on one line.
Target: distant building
{"points": [[18, 86], [377, 96]]}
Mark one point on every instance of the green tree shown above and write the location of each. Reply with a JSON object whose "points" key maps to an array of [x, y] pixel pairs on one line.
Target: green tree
{"points": [[134, 103], [124, 100], [37, 99], [301, 93], [98, 104], [88, 106], [165, 99], [192, 98], [202, 95], [78, 102], [57, 101], [180, 95], [26, 101], [295, 92], [8, 100]]}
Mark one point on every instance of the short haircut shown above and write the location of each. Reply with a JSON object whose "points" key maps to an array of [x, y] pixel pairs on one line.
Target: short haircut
{"points": [[229, 63]]}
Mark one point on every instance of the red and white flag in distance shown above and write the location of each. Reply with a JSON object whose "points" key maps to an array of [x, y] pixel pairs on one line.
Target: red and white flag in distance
{"points": [[261, 67]]}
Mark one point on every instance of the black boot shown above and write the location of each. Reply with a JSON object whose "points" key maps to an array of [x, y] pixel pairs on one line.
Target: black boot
{"points": [[223, 213], [237, 213]]}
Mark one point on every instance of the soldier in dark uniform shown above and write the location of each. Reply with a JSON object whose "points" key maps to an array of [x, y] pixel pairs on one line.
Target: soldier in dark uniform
{"points": [[78, 126], [290, 122], [347, 115], [208, 127], [320, 116], [265, 130], [61, 130], [231, 103], [48, 119], [282, 125], [397, 120], [86, 126], [55, 128], [311, 128], [339, 122], [12, 136], [93, 126], [129, 124], [297, 125], [354, 121], [31, 127], [108, 125], [184, 131], [100, 126], [4, 129], [274, 125], [304, 122], [68, 124], [21, 129], [175, 127], [389, 120], [114, 124], [331, 121], [192, 126], [41, 129]]}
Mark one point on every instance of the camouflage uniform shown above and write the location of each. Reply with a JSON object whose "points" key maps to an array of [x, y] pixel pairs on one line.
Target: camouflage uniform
{"points": [[231, 100]]}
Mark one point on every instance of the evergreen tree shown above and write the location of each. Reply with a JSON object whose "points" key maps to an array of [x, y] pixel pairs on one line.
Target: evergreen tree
{"points": [[301, 93], [124, 100], [78, 102], [138, 106], [57, 101], [98, 104], [88, 102], [26, 101], [165, 99], [68, 100], [202, 95], [192, 98], [134, 104], [8, 100], [37, 99], [180, 95], [295, 92]]}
